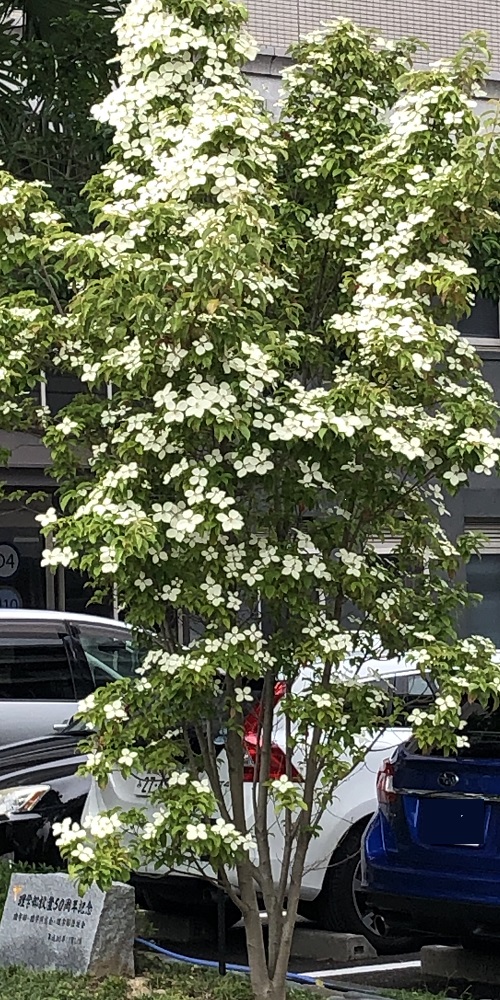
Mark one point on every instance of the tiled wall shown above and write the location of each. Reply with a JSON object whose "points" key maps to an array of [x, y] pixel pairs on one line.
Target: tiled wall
{"points": [[440, 23]]}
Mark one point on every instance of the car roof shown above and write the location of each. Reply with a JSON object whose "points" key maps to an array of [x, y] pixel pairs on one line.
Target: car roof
{"points": [[20, 614]]}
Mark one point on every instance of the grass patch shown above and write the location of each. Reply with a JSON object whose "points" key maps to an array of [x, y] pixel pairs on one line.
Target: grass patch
{"points": [[156, 981], [21, 984], [161, 981]]}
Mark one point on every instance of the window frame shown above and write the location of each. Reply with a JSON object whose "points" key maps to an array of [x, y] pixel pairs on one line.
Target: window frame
{"points": [[489, 547], [485, 343]]}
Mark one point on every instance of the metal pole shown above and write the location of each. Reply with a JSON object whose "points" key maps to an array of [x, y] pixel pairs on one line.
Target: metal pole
{"points": [[221, 927]]}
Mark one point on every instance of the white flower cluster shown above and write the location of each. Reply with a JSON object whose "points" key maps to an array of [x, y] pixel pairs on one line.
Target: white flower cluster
{"points": [[333, 642], [98, 827], [257, 462], [410, 449], [249, 636], [354, 563], [486, 444], [231, 836], [321, 227], [58, 556]]}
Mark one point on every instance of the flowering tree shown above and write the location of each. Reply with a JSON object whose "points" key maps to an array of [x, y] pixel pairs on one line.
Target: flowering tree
{"points": [[270, 307]]}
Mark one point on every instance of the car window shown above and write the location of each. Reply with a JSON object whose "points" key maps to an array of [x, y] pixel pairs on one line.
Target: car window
{"points": [[482, 730], [34, 663], [414, 687], [411, 691], [110, 652]]}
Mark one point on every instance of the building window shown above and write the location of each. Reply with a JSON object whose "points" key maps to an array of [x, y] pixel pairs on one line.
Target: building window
{"points": [[482, 327], [23, 581], [483, 577]]}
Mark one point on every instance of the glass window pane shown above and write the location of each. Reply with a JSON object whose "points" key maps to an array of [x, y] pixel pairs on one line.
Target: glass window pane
{"points": [[111, 653], [78, 596], [61, 389], [483, 577], [22, 579], [34, 664], [483, 320]]}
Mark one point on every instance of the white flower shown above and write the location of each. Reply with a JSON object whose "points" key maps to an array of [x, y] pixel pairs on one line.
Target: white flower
{"points": [[446, 702], [322, 700], [455, 476], [127, 757], [292, 566], [48, 518], [171, 591], [243, 694], [67, 426], [58, 557], [283, 784], [196, 831], [83, 854], [115, 710], [202, 787], [417, 717], [178, 778], [230, 520], [87, 704]]}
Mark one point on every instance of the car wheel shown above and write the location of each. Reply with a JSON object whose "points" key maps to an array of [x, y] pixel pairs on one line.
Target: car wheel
{"points": [[340, 907]]}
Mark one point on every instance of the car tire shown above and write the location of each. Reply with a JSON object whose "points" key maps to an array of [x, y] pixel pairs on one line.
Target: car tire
{"points": [[339, 908]]}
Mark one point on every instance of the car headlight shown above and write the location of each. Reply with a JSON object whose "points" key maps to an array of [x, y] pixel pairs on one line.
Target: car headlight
{"points": [[21, 798]]}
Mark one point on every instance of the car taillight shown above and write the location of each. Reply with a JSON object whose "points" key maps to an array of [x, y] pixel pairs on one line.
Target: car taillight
{"points": [[385, 784], [252, 743]]}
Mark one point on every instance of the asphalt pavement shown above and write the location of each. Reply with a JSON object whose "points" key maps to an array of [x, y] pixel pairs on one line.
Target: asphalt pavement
{"points": [[356, 980]]}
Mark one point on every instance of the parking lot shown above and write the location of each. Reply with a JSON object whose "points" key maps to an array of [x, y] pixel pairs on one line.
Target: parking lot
{"points": [[311, 957]]}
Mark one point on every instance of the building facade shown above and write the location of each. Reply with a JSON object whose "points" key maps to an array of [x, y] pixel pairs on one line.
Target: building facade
{"points": [[276, 24]]}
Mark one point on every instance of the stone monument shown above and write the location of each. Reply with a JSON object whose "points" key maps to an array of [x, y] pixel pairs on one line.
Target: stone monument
{"points": [[47, 925]]}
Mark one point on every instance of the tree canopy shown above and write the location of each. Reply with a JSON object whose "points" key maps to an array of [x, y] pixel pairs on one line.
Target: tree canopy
{"points": [[55, 65], [262, 317]]}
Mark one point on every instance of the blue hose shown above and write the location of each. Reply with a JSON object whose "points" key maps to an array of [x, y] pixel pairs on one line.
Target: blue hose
{"points": [[208, 964], [293, 977]]}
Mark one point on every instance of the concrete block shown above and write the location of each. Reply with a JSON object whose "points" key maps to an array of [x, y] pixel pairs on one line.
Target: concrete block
{"points": [[324, 945], [169, 927], [442, 962]]}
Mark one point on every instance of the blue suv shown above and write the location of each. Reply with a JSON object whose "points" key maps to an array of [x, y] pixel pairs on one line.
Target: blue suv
{"points": [[432, 851]]}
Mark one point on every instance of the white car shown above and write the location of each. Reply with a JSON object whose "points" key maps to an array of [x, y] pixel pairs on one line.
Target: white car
{"points": [[49, 660], [330, 887]]}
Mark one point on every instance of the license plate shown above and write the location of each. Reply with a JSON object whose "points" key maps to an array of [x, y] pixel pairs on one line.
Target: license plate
{"points": [[147, 784], [452, 822]]}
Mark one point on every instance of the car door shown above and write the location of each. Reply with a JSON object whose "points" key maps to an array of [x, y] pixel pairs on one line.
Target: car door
{"points": [[37, 679], [108, 651]]}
